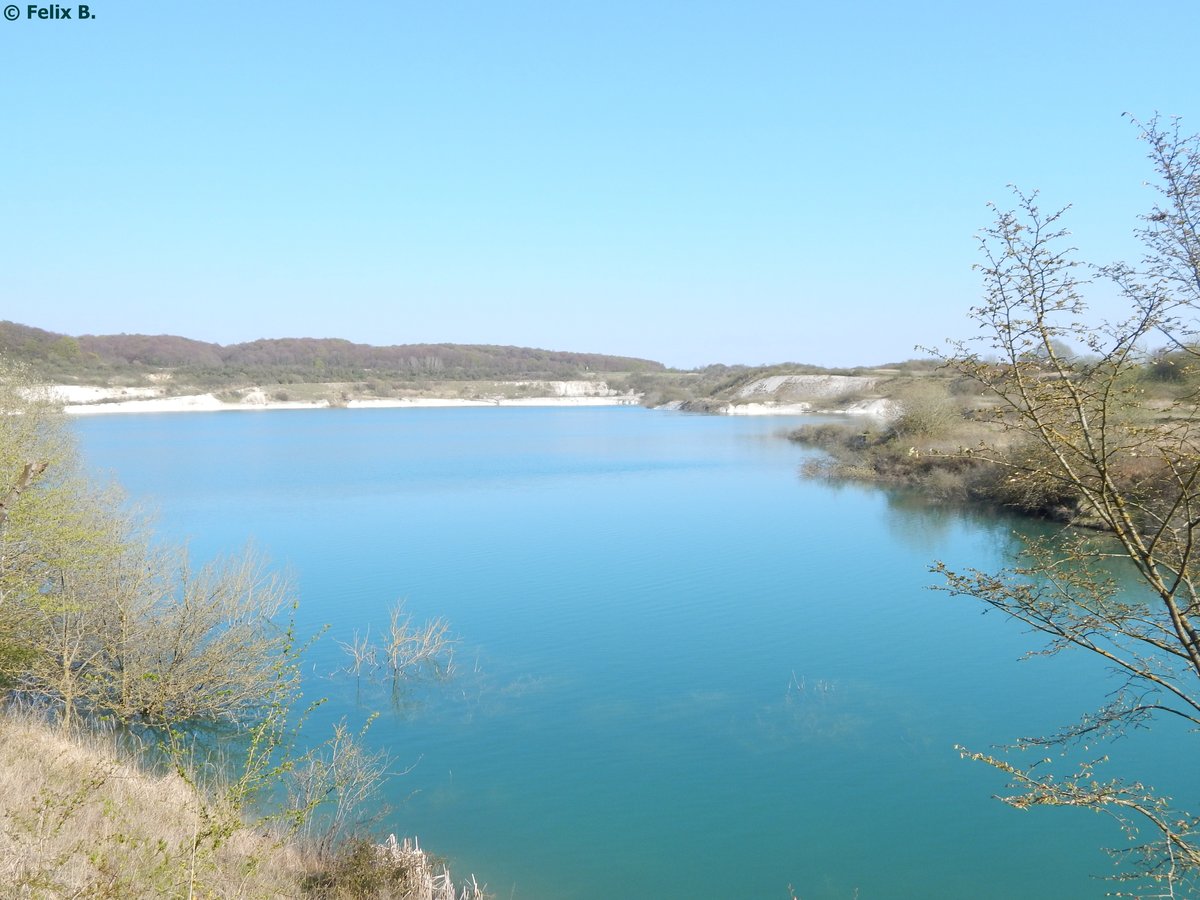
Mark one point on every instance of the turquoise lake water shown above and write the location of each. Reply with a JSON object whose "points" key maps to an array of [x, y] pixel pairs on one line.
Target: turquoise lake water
{"points": [[684, 670]]}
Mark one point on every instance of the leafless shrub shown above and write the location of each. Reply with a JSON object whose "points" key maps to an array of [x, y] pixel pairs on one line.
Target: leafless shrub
{"points": [[333, 787], [364, 656], [406, 649], [409, 647]]}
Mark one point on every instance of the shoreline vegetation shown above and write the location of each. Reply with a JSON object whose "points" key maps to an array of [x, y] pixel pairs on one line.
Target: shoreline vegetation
{"points": [[948, 440], [151, 710]]}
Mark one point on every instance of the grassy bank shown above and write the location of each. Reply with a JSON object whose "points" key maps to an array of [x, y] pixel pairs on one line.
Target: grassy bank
{"points": [[78, 818]]}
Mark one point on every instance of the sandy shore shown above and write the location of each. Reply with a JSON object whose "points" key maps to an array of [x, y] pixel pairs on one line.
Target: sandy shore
{"points": [[880, 409], [209, 403], [81, 400]]}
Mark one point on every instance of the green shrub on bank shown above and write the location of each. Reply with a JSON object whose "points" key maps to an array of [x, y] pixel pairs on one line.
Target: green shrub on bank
{"points": [[944, 471]]}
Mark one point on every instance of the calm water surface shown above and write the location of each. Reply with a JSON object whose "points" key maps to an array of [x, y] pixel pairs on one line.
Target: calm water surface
{"points": [[685, 671]]}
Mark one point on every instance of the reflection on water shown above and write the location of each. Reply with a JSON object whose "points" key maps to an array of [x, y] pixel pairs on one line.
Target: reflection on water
{"points": [[924, 526]]}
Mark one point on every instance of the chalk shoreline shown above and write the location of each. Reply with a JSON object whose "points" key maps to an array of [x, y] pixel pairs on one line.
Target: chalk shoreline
{"points": [[210, 403], [85, 400]]}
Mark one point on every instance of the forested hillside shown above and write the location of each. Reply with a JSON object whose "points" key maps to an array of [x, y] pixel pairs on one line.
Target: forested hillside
{"points": [[60, 357]]}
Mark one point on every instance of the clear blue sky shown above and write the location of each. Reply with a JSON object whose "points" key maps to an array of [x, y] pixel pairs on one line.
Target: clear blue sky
{"points": [[692, 182]]}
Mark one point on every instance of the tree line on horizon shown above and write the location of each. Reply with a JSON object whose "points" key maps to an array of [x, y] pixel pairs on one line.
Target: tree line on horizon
{"points": [[288, 360]]}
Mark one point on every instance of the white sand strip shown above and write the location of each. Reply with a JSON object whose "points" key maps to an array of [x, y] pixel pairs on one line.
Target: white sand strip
{"points": [[879, 409], [768, 409], [415, 402], [209, 403]]}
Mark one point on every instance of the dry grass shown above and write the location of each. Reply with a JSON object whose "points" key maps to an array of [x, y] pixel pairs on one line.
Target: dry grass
{"points": [[79, 821]]}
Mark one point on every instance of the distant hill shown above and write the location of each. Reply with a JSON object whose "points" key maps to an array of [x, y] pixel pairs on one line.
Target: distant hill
{"points": [[285, 360]]}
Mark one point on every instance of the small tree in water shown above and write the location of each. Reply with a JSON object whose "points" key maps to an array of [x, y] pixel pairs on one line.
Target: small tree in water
{"points": [[1072, 395]]}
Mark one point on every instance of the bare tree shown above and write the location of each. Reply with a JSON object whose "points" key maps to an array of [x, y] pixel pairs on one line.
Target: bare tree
{"points": [[405, 650], [1070, 395], [334, 785], [364, 655], [408, 647]]}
